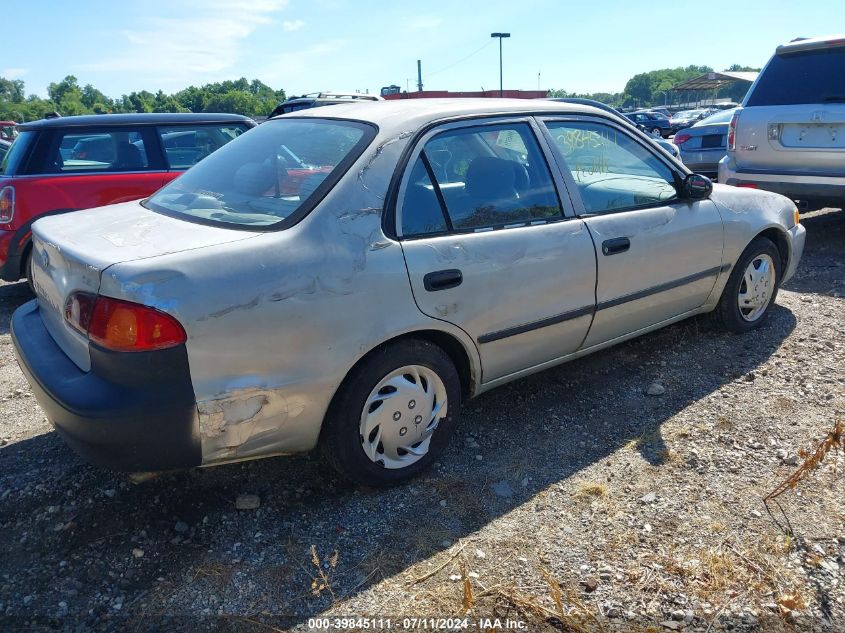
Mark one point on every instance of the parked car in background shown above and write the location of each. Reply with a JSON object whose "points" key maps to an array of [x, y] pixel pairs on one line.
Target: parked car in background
{"points": [[664, 111], [453, 246], [704, 144], [655, 123], [789, 134], [657, 139], [686, 118], [4, 149], [8, 131], [317, 99], [69, 163]]}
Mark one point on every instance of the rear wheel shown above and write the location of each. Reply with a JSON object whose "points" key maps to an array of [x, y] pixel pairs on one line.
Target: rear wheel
{"points": [[752, 287], [656, 132], [393, 415], [27, 269]]}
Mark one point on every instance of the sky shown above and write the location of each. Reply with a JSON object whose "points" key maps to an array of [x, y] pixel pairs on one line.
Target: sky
{"points": [[346, 45]]}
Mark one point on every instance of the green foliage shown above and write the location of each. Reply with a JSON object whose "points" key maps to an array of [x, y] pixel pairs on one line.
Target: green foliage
{"points": [[250, 98], [654, 88]]}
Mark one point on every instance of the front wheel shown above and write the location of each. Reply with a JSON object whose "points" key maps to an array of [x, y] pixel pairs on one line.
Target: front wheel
{"points": [[657, 132], [752, 287], [393, 415]]}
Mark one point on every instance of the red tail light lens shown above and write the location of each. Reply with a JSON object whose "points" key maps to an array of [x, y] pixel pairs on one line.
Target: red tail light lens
{"points": [[681, 138], [122, 325], [732, 131], [7, 204]]}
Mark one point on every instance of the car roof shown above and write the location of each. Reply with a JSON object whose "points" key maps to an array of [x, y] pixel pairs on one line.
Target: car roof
{"points": [[147, 118], [811, 43], [402, 115]]}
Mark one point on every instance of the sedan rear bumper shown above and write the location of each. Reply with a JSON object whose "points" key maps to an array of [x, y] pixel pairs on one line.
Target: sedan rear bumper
{"points": [[134, 411]]}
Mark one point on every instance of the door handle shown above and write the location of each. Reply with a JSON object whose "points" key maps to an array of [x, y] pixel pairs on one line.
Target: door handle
{"points": [[443, 279], [616, 245]]}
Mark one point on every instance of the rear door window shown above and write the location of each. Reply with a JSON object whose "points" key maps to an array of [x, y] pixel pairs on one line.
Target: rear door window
{"points": [[104, 149], [186, 145], [800, 78], [479, 178]]}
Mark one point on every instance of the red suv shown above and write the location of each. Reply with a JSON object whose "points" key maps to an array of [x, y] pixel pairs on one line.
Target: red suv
{"points": [[71, 163]]}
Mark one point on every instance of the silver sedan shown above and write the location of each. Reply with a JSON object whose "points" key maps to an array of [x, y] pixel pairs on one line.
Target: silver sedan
{"points": [[704, 144], [418, 253]]}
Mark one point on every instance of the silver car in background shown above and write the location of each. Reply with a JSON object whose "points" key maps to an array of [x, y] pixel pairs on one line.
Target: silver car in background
{"points": [[436, 250], [789, 134], [704, 144]]}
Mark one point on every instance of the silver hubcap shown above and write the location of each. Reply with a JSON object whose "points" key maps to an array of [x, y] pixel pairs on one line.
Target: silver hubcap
{"points": [[755, 291], [401, 415]]}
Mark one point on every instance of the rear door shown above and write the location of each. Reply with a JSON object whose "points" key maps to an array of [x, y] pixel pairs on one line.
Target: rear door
{"points": [[489, 246], [658, 256], [793, 119]]}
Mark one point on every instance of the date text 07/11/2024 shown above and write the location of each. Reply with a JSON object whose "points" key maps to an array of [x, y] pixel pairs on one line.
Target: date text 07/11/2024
{"points": [[410, 624]]}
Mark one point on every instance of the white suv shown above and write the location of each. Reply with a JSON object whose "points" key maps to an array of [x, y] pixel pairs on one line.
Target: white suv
{"points": [[789, 134]]}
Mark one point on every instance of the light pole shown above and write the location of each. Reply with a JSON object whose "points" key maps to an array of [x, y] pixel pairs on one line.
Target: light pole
{"points": [[501, 36]]}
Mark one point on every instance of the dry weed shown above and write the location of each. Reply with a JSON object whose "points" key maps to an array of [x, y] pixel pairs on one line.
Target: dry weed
{"points": [[325, 569], [591, 489], [833, 441]]}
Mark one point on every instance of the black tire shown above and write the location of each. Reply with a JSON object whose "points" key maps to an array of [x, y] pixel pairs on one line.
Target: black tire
{"points": [[340, 440], [27, 269], [728, 312], [657, 131]]}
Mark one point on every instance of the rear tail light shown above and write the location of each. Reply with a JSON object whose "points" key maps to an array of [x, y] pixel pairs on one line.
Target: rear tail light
{"points": [[732, 132], [681, 138], [748, 185], [7, 204], [122, 326]]}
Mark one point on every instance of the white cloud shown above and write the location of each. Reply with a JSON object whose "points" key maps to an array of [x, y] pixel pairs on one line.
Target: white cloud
{"points": [[13, 73], [206, 40], [292, 25]]}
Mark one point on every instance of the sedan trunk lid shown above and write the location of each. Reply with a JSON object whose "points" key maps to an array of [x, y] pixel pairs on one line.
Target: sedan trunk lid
{"points": [[70, 252]]}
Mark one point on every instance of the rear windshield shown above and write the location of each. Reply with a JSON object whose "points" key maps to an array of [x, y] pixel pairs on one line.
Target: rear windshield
{"points": [[17, 152], [267, 174], [809, 77], [720, 117]]}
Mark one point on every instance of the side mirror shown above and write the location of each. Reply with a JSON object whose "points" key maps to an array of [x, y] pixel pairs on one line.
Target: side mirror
{"points": [[697, 187]]}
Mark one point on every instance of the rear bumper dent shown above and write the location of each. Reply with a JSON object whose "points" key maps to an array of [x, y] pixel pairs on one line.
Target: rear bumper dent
{"points": [[131, 412]]}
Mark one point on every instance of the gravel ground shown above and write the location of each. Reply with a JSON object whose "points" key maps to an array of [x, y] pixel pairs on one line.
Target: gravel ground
{"points": [[569, 500]]}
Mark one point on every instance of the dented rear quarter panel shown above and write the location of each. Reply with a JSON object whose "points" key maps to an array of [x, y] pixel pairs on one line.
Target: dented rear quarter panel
{"points": [[275, 322]]}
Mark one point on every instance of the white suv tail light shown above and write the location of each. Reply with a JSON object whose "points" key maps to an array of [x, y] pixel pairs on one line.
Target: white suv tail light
{"points": [[732, 131]]}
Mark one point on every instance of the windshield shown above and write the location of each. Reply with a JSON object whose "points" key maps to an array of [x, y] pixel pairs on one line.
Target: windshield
{"points": [[265, 175], [688, 114], [799, 78]]}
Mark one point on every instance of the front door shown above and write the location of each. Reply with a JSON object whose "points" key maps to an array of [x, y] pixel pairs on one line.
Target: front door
{"points": [[658, 256], [489, 247]]}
